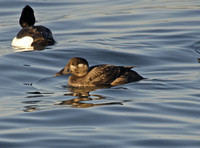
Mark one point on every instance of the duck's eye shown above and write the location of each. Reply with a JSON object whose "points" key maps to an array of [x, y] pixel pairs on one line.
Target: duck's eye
{"points": [[72, 67]]}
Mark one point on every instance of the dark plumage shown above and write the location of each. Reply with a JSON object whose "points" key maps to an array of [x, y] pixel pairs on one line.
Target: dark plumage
{"points": [[41, 35], [98, 75], [27, 18]]}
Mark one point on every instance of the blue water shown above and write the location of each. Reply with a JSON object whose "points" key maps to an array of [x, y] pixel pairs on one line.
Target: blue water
{"points": [[160, 37]]}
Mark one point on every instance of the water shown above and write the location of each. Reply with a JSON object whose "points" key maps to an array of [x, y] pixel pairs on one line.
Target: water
{"points": [[161, 37]]}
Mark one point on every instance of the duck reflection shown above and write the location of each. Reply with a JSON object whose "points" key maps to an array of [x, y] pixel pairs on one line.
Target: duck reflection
{"points": [[79, 103], [83, 91], [30, 108], [84, 99], [36, 47], [81, 99]]}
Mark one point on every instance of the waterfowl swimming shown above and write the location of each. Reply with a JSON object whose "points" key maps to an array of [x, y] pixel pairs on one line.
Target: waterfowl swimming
{"points": [[31, 35], [98, 75]]}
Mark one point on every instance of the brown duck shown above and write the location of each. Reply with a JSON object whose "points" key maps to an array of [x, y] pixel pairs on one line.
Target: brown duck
{"points": [[98, 75]]}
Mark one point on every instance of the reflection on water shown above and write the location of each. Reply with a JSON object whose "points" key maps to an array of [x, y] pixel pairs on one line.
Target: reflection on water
{"points": [[38, 48], [83, 94], [18, 49], [37, 94], [81, 102], [31, 108], [84, 91], [82, 99]]}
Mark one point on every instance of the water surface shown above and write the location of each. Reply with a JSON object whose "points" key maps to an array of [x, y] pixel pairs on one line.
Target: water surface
{"points": [[160, 37]]}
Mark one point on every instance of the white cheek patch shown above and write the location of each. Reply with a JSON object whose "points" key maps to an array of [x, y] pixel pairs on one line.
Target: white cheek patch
{"points": [[81, 65], [22, 42]]}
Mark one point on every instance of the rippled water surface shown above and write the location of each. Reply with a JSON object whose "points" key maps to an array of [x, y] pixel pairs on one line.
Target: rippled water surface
{"points": [[160, 37]]}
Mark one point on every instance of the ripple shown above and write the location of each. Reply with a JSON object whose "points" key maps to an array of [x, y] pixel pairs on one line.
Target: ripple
{"points": [[161, 38]]}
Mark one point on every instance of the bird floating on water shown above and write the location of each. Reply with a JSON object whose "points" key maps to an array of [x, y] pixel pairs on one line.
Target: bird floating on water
{"points": [[98, 75]]}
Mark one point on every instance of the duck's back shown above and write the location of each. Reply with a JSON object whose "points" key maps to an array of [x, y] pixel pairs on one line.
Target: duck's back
{"points": [[41, 35], [46, 32], [111, 75]]}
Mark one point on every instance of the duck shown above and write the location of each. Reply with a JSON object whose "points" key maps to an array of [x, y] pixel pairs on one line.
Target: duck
{"points": [[30, 35], [97, 75]]}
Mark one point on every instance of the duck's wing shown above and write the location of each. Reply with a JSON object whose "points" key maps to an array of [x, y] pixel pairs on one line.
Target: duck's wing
{"points": [[47, 34], [41, 35], [104, 74], [29, 31]]}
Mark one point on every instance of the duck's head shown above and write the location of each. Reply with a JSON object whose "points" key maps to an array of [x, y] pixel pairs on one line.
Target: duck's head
{"points": [[27, 18], [76, 66]]}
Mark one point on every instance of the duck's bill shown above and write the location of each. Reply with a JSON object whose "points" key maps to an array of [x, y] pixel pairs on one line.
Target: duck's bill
{"points": [[63, 71], [60, 72]]}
